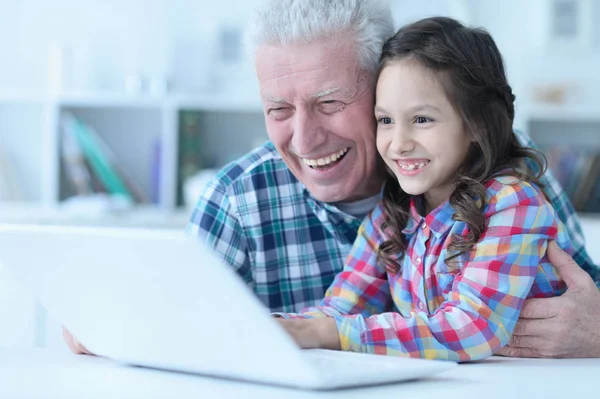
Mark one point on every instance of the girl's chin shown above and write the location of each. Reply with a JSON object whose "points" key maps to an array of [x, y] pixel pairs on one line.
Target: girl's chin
{"points": [[412, 190]]}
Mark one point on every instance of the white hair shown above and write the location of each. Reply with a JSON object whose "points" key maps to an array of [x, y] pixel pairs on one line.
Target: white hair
{"points": [[367, 22]]}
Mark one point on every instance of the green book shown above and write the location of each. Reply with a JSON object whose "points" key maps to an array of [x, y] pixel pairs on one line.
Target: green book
{"points": [[99, 161]]}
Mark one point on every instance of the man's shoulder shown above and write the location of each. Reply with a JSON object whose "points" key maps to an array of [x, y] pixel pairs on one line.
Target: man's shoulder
{"points": [[524, 139], [258, 169], [242, 188]]}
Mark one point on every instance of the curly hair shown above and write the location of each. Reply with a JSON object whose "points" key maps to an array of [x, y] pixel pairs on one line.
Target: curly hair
{"points": [[469, 66]]}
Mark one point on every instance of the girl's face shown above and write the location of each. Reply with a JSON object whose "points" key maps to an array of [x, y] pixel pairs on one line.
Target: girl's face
{"points": [[420, 136]]}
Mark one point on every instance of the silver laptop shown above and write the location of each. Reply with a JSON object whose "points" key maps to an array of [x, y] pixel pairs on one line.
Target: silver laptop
{"points": [[161, 299]]}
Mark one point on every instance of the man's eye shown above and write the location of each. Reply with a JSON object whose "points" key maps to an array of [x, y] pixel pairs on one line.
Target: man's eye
{"points": [[384, 120], [331, 104], [277, 111]]}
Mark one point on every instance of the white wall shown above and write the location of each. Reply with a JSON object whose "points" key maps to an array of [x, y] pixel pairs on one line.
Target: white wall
{"points": [[520, 29], [110, 39], [591, 232]]}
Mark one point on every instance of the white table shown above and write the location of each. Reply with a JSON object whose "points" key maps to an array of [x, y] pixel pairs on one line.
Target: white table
{"points": [[46, 374]]}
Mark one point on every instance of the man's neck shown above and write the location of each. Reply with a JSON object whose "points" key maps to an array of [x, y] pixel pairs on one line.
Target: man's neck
{"points": [[359, 208]]}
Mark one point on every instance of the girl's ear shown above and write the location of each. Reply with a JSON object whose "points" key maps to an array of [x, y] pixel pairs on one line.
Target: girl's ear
{"points": [[472, 136], [469, 131]]}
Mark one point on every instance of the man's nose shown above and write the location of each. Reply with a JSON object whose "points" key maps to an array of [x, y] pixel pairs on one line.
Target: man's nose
{"points": [[308, 134]]}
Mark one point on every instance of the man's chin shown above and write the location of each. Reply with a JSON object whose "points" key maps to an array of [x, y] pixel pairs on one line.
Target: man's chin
{"points": [[329, 194]]}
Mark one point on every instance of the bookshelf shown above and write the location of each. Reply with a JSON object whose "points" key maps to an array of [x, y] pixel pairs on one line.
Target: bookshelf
{"points": [[569, 135], [142, 131]]}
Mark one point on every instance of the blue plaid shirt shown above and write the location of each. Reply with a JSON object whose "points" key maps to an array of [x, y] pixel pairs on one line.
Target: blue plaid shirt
{"points": [[287, 245]]}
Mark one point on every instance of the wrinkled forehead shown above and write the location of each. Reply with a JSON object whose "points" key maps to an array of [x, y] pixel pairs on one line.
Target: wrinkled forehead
{"points": [[317, 68]]}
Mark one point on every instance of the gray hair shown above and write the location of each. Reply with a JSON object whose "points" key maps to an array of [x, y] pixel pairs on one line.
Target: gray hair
{"points": [[368, 22]]}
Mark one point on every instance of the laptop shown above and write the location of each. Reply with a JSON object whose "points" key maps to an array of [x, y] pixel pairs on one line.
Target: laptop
{"points": [[162, 299]]}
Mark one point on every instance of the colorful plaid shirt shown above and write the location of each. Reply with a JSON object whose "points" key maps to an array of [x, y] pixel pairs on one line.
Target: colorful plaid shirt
{"points": [[464, 309], [287, 245]]}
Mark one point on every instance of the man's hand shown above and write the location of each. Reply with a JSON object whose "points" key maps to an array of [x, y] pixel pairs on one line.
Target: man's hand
{"points": [[561, 327], [74, 344], [313, 333]]}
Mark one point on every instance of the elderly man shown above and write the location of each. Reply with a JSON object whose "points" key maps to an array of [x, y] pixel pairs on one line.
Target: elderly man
{"points": [[286, 215]]}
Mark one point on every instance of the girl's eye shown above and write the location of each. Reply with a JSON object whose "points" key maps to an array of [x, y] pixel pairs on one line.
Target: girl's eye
{"points": [[384, 120], [422, 119]]}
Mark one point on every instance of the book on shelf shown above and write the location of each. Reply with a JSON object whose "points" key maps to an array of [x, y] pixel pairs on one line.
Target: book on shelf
{"points": [[578, 172], [134, 190], [75, 166], [587, 198], [90, 165], [10, 187], [156, 165], [190, 159]]}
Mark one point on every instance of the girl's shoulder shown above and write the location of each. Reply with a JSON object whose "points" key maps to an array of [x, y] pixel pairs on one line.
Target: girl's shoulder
{"points": [[373, 223], [508, 191]]}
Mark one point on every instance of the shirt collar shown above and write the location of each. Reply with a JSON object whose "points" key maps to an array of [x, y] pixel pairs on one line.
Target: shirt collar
{"points": [[316, 205], [439, 220]]}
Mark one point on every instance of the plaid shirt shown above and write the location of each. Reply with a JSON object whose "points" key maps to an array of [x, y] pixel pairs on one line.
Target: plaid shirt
{"points": [[285, 244], [464, 310]]}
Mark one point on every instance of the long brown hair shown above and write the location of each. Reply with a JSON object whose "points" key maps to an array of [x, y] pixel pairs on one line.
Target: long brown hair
{"points": [[469, 66]]}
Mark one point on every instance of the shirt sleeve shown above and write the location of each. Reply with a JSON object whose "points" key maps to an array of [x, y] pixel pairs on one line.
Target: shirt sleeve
{"points": [[362, 287], [565, 211], [481, 311], [215, 221]]}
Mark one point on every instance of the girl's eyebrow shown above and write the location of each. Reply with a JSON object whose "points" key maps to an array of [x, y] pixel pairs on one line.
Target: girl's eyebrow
{"points": [[424, 107], [416, 108]]}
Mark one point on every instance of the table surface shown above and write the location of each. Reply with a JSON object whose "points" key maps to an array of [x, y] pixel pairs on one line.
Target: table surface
{"points": [[39, 373]]}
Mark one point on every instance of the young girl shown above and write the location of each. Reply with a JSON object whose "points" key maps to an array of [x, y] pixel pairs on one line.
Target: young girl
{"points": [[441, 267]]}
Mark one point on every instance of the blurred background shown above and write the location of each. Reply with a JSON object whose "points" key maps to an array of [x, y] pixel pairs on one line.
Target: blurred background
{"points": [[118, 112]]}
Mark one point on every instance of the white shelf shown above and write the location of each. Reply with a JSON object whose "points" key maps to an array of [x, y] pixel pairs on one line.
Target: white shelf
{"points": [[563, 113], [108, 100], [140, 216], [217, 102], [22, 97], [207, 101]]}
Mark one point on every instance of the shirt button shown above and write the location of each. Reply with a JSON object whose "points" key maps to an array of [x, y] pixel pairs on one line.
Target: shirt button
{"points": [[418, 261], [424, 225], [421, 306]]}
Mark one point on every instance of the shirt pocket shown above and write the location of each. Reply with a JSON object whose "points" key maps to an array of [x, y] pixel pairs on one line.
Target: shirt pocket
{"points": [[446, 281], [447, 273]]}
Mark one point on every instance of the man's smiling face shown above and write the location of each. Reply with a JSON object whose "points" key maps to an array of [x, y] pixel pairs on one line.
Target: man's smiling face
{"points": [[318, 106]]}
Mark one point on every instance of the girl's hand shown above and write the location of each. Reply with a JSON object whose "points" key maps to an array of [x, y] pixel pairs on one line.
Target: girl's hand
{"points": [[320, 333]]}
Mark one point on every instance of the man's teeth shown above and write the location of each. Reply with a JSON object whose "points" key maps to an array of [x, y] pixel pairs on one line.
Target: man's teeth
{"points": [[327, 160], [413, 166]]}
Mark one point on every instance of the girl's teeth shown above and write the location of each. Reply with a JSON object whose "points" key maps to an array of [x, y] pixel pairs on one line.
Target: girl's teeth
{"points": [[413, 166]]}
